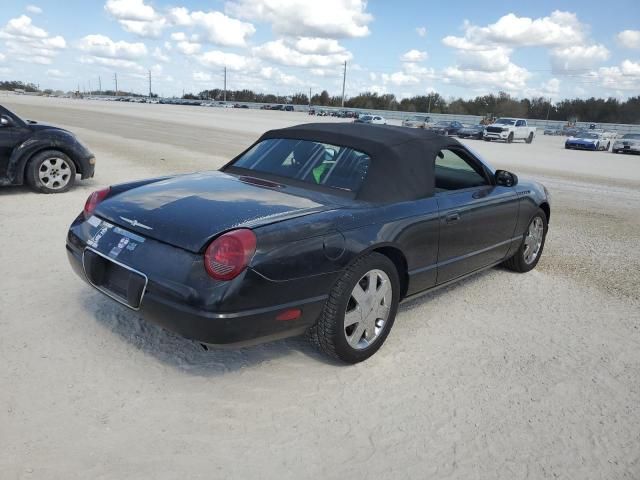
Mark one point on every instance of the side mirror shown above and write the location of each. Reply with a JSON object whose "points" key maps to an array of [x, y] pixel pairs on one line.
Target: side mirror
{"points": [[506, 179], [6, 121]]}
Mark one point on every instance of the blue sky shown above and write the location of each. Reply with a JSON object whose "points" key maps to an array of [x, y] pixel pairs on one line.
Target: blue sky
{"points": [[406, 47]]}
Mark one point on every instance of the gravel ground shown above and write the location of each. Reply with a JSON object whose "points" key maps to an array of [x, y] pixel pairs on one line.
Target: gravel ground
{"points": [[501, 376]]}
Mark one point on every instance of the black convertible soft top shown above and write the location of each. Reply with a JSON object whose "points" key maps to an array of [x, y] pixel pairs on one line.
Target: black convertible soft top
{"points": [[402, 159]]}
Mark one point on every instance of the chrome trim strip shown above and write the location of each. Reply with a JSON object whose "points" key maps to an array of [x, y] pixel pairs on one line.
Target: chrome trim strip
{"points": [[107, 292]]}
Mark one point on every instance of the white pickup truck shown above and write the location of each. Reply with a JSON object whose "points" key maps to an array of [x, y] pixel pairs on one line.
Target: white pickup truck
{"points": [[509, 129]]}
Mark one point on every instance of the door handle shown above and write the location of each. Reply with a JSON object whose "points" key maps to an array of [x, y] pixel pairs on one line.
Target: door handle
{"points": [[452, 217]]}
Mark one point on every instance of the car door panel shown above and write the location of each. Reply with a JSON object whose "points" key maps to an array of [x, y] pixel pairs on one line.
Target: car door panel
{"points": [[476, 227]]}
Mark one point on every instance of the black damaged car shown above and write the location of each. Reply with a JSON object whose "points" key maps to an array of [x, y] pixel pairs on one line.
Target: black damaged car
{"points": [[319, 228], [45, 157]]}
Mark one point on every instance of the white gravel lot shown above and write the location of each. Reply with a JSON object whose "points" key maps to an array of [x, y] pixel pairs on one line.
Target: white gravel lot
{"points": [[503, 376]]}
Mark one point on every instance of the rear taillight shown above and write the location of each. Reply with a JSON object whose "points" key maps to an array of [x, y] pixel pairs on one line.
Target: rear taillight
{"points": [[94, 199], [229, 254]]}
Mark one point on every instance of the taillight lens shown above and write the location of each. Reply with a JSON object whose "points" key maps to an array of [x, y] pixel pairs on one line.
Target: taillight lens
{"points": [[229, 254], [94, 199]]}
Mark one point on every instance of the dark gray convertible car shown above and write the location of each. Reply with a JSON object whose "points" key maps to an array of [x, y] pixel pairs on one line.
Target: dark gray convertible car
{"points": [[319, 228]]}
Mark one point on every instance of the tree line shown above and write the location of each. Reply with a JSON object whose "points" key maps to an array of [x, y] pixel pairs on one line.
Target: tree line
{"points": [[600, 110]]}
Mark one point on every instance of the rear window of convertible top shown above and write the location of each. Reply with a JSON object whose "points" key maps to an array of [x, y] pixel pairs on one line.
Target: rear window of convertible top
{"points": [[313, 162]]}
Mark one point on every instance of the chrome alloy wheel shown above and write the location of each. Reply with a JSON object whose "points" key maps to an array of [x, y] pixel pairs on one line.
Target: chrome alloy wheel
{"points": [[54, 173], [533, 240], [368, 309]]}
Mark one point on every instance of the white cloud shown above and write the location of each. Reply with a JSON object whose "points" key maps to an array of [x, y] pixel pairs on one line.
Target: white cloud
{"points": [[160, 55], [414, 56], [103, 46], [400, 78], [624, 77], [34, 9], [22, 26], [511, 79], [327, 19], [280, 51], [558, 29], [577, 57], [629, 38], [136, 17], [218, 59], [219, 28], [278, 77], [113, 63], [188, 48], [493, 60], [630, 68], [29, 43], [201, 77], [3, 57], [421, 31], [54, 73], [322, 46]]}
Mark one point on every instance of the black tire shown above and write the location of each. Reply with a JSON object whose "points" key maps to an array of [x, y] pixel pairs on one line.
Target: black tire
{"points": [[529, 139], [65, 172], [517, 262], [608, 145], [328, 334], [614, 151], [486, 139], [510, 138]]}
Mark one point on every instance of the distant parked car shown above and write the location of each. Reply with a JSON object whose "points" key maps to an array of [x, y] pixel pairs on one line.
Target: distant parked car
{"points": [[447, 128], [552, 131], [312, 111], [277, 107], [45, 157], [371, 119], [471, 131], [571, 131], [510, 129], [417, 121], [587, 140], [629, 143], [288, 108]]}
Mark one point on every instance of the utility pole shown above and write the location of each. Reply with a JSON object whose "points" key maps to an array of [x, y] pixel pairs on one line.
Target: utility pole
{"points": [[429, 109], [344, 80], [309, 97], [149, 83], [225, 84], [99, 84], [115, 78], [548, 108], [89, 86]]}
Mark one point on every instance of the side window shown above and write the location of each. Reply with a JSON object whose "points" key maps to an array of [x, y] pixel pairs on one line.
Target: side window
{"points": [[455, 171], [520, 123]]}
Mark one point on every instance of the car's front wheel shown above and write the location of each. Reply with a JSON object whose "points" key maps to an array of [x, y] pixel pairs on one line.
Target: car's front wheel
{"points": [[360, 310], [510, 138], [530, 250], [51, 171], [529, 138]]}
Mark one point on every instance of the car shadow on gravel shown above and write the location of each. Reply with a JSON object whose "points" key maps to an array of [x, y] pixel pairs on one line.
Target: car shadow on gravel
{"points": [[190, 357], [187, 355]]}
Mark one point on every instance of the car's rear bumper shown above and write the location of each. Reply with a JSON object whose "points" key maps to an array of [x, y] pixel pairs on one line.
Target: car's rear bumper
{"points": [[237, 328]]}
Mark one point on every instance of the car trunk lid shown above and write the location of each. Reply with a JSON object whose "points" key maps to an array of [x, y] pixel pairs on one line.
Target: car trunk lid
{"points": [[188, 211]]}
